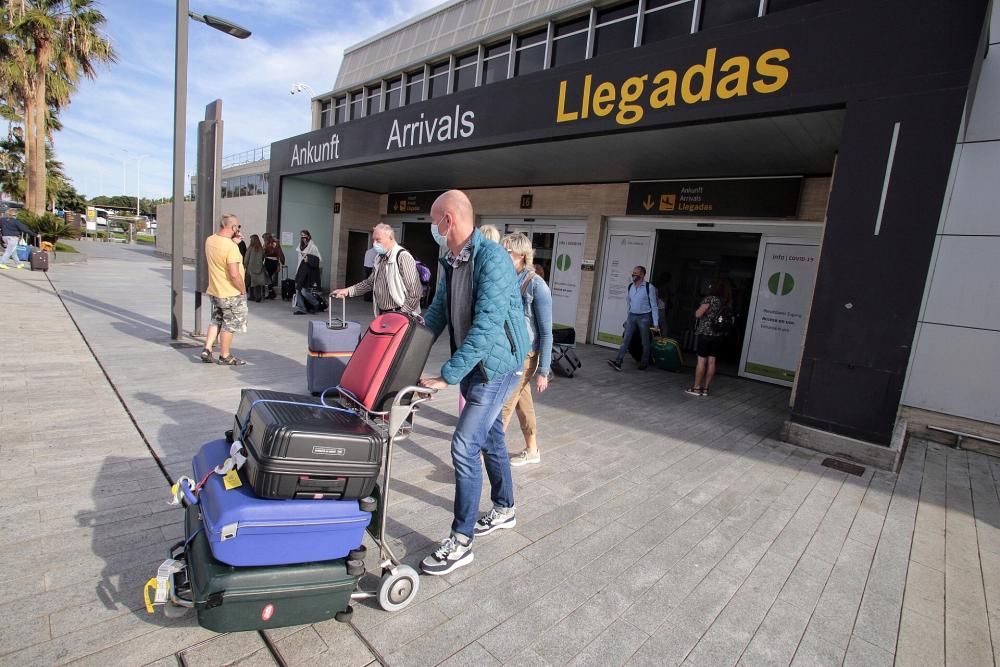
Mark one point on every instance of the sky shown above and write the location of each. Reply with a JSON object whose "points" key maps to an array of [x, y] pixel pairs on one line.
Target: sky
{"points": [[118, 128]]}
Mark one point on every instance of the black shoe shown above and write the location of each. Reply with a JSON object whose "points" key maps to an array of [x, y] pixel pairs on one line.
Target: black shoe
{"points": [[617, 365], [643, 367]]}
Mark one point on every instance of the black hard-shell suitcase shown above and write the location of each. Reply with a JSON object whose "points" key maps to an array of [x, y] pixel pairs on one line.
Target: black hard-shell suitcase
{"points": [[232, 599], [305, 451], [287, 285], [39, 260], [564, 361]]}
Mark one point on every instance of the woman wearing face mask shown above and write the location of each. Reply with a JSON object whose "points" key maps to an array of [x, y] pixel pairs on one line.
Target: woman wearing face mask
{"points": [[537, 300], [308, 274], [394, 282]]}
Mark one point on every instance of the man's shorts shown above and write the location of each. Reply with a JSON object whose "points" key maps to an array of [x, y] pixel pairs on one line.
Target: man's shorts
{"points": [[229, 313], [708, 346]]}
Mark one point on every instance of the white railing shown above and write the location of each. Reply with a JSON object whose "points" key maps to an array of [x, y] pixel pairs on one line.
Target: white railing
{"points": [[246, 157]]}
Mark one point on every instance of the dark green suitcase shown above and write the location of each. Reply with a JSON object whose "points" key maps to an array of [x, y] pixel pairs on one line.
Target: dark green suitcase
{"points": [[666, 354], [231, 599]]}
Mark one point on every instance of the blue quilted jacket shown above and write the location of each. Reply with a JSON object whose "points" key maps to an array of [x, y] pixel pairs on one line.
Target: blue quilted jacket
{"points": [[498, 341]]}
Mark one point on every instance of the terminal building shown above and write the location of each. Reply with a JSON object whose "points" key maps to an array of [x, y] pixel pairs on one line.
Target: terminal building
{"points": [[836, 160]]}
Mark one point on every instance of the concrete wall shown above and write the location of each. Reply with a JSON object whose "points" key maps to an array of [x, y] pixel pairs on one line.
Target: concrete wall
{"points": [[252, 212], [359, 212], [954, 370]]}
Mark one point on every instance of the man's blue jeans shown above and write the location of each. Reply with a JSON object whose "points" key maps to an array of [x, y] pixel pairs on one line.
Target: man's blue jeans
{"points": [[642, 322], [479, 433]]}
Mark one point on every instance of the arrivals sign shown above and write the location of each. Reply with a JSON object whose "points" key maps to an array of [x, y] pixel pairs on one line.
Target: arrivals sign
{"points": [[784, 293], [415, 203], [565, 280], [728, 198]]}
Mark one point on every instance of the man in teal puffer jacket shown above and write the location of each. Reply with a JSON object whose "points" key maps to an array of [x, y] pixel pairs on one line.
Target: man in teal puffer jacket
{"points": [[479, 301]]}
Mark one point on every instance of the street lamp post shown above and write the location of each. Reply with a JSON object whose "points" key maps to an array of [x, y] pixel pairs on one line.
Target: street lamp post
{"points": [[180, 120]]}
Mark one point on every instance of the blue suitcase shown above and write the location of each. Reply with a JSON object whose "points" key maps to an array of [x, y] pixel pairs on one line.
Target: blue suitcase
{"points": [[244, 530], [331, 344]]}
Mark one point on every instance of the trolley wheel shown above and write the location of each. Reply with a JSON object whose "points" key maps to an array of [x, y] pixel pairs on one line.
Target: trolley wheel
{"points": [[355, 568], [397, 590], [358, 554], [229, 437], [171, 610], [344, 616], [368, 504]]}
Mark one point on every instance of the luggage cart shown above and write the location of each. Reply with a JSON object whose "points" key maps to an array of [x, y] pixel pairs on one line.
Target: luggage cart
{"points": [[399, 583]]}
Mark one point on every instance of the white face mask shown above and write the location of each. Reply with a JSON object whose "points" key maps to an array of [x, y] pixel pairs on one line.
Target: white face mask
{"points": [[439, 238]]}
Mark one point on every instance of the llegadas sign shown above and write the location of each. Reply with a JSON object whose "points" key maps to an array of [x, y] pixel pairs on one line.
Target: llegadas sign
{"points": [[734, 77]]}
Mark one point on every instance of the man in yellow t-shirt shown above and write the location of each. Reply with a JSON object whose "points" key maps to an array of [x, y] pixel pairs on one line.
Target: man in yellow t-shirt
{"points": [[228, 292]]}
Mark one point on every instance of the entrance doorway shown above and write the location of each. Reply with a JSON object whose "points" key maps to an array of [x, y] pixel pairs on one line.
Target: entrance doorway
{"points": [[418, 240], [357, 246], [685, 264]]}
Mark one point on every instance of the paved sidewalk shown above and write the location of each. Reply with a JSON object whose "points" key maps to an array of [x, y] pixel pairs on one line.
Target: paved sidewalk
{"points": [[659, 529]]}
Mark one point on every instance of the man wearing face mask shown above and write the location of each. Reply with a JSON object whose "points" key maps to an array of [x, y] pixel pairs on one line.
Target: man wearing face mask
{"points": [[478, 301], [642, 315], [394, 281]]}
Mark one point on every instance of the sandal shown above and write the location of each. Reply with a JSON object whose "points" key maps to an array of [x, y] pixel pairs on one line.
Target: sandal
{"points": [[206, 356], [694, 391], [704, 391], [231, 360]]}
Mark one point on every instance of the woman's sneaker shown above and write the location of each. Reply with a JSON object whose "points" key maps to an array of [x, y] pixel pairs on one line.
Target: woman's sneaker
{"points": [[451, 555], [525, 457], [495, 520]]}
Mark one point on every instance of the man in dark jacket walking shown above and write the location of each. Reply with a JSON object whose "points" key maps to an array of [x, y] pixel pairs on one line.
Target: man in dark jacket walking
{"points": [[479, 302], [11, 230]]}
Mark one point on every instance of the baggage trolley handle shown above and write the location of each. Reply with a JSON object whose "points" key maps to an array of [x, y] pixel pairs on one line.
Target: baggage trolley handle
{"points": [[342, 322], [399, 413]]}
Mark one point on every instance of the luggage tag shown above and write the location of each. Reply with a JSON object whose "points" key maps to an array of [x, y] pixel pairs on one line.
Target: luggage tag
{"points": [[229, 469], [176, 493], [160, 584]]}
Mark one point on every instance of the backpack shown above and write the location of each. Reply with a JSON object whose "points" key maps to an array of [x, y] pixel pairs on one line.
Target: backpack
{"points": [[724, 323], [423, 272]]}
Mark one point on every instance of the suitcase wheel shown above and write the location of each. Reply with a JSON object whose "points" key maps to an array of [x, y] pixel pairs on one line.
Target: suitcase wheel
{"points": [[398, 589], [368, 504], [359, 553], [344, 616], [355, 568]]}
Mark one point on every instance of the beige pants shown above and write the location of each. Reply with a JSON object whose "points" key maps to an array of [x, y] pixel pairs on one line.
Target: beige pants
{"points": [[521, 402]]}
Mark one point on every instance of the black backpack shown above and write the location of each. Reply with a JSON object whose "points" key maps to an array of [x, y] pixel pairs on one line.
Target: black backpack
{"points": [[724, 323]]}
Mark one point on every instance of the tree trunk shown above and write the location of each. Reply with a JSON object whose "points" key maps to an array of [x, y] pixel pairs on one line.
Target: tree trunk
{"points": [[34, 139]]}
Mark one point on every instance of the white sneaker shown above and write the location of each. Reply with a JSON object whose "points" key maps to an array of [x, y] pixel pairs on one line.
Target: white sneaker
{"points": [[523, 458], [451, 555]]}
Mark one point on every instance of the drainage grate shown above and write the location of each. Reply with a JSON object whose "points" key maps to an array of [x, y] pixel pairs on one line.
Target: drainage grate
{"points": [[844, 466]]}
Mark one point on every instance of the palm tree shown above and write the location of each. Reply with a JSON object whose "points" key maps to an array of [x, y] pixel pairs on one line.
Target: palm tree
{"points": [[46, 47]]}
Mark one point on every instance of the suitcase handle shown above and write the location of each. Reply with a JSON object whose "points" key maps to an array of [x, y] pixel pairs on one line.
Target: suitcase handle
{"points": [[332, 322]]}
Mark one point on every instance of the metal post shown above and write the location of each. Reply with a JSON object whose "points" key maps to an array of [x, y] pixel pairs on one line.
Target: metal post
{"points": [[208, 199], [177, 210]]}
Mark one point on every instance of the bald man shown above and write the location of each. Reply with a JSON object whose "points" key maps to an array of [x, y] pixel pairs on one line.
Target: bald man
{"points": [[479, 301]]}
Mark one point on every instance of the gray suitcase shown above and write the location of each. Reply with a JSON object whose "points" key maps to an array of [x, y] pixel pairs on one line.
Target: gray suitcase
{"points": [[331, 344]]}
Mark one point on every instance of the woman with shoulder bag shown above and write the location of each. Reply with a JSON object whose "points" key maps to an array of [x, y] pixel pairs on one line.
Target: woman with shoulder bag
{"points": [[537, 300]]}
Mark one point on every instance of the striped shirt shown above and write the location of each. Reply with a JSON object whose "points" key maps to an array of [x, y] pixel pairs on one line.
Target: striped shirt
{"points": [[378, 284]]}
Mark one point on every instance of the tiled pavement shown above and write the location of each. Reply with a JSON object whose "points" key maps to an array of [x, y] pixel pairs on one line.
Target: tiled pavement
{"points": [[660, 529]]}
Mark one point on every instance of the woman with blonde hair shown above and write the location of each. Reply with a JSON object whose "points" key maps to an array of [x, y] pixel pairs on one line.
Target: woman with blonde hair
{"points": [[490, 232], [537, 300]]}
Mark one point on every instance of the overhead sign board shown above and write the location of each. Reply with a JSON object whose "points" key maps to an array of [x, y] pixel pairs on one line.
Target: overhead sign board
{"points": [[728, 198], [416, 203]]}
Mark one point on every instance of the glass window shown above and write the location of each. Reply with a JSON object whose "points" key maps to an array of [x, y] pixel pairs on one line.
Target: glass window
{"points": [[571, 49], [530, 56], [465, 71], [414, 86], [496, 62], [437, 82], [225, 186], [617, 12], [264, 178], [326, 113], [500, 49], [340, 110], [612, 37], [374, 100], [244, 186], [668, 19], [778, 5], [570, 27], [721, 12], [393, 93], [357, 104]]}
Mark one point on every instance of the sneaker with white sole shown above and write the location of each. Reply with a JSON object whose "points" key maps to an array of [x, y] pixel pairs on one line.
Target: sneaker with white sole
{"points": [[451, 555], [495, 520], [523, 458]]}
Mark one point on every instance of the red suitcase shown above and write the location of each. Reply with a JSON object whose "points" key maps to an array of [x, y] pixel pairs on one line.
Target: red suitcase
{"points": [[390, 357]]}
